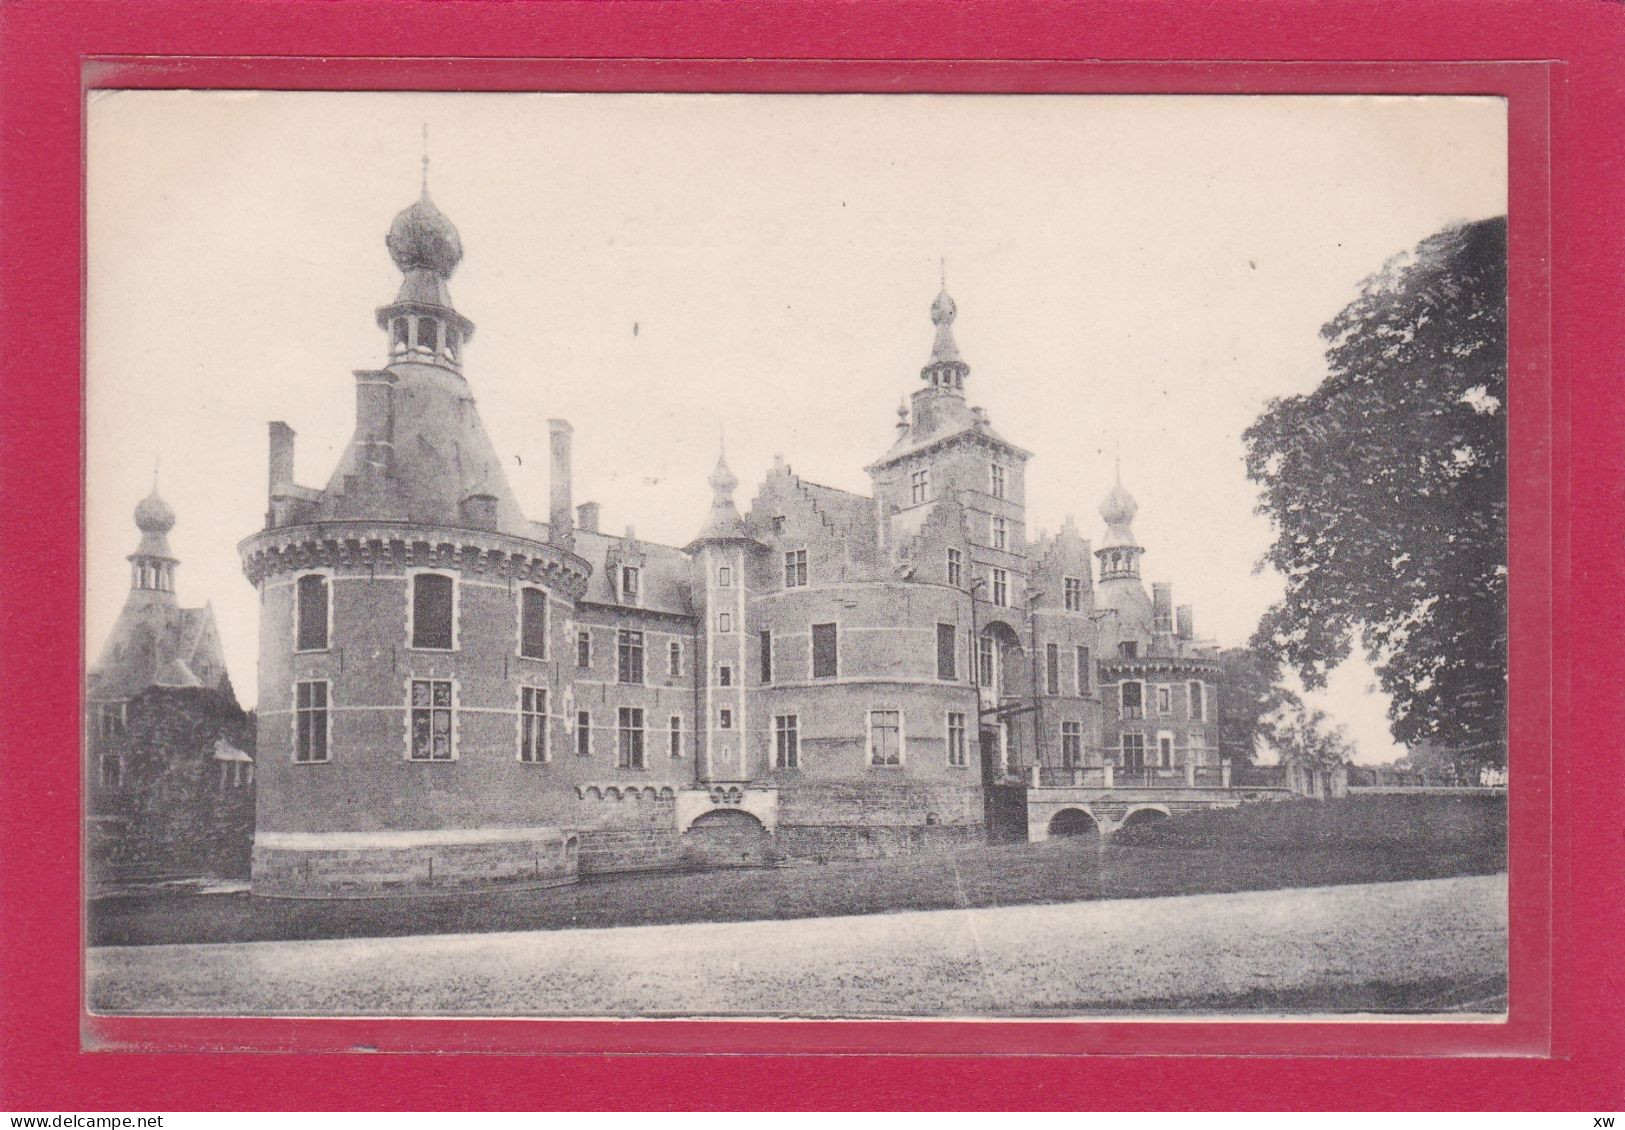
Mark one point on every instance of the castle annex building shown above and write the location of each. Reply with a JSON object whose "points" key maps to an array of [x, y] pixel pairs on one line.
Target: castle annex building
{"points": [[455, 696]]}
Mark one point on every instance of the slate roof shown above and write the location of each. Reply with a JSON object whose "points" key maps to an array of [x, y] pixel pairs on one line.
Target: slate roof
{"points": [[156, 643]]}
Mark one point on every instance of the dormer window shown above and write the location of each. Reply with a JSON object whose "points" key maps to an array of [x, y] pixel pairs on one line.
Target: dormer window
{"points": [[629, 583], [1128, 649]]}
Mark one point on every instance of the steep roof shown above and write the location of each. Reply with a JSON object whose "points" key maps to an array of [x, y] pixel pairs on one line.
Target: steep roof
{"points": [[664, 576], [156, 643]]}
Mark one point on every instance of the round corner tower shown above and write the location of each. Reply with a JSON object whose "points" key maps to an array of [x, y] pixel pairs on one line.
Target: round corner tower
{"points": [[412, 625]]}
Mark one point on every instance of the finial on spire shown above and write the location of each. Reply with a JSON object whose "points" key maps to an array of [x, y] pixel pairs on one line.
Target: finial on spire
{"points": [[155, 474], [425, 158], [942, 266]]}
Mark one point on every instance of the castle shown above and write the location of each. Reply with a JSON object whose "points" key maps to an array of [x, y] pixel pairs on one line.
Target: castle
{"points": [[453, 696]]}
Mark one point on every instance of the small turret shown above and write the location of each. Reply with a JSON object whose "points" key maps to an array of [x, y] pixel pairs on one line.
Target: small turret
{"points": [[1119, 553], [946, 371], [724, 522], [152, 565]]}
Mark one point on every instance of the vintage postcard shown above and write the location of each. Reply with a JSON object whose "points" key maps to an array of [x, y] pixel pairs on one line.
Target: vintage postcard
{"points": [[908, 556]]}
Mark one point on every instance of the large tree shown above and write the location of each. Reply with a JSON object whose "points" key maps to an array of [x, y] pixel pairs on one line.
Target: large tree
{"points": [[1386, 487], [1249, 694]]}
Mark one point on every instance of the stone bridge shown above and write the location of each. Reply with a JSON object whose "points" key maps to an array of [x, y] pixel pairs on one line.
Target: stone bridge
{"points": [[1098, 800]]}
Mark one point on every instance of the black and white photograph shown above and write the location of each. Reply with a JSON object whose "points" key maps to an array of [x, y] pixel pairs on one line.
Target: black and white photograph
{"points": [[795, 556]]}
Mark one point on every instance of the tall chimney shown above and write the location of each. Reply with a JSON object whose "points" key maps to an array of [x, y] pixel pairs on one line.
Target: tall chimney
{"points": [[1162, 607], [560, 528], [1187, 622], [281, 456], [587, 517]]}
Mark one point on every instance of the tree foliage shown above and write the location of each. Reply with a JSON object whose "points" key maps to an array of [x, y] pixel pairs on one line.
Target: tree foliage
{"points": [[1249, 693], [1386, 487], [1306, 737]]}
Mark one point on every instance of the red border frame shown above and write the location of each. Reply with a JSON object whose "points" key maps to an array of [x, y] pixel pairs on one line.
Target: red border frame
{"points": [[40, 193]]}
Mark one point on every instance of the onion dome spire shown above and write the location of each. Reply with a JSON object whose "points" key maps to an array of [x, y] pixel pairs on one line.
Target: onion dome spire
{"points": [[946, 371], [152, 565], [422, 323], [1119, 553], [724, 522]]}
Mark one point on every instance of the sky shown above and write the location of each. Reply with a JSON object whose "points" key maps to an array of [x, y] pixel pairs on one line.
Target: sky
{"points": [[1136, 277]]}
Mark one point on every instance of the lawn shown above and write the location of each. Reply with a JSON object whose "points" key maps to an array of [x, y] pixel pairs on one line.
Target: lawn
{"points": [[1258, 847]]}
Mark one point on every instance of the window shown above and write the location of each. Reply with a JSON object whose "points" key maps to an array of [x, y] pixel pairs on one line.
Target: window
{"points": [[956, 739], [947, 651], [795, 568], [1128, 649], [1071, 744], [786, 741], [431, 720], [1198, 713], [1165, 700], [725, 719], [313, 612], [1133, 701], [111, 717], [1165, 750], [451, 343], [583, 733], [675, 736], [1072, 587], [778, 523], [533, 724], [996, 475], [583, 648], [397, 329], [1052, 668], [1001, 588], [1085, 675], [984, 662], [110, 771], [310, 722], [1001, 534], [767, 656], [725, 577], [725, 622], [725, 676], [885, 737], [629, 747], [533, 623], [919, 486], [674, 660], [956, 568], [1133, 751], [629, 656], [629, 584], [434, 610], [825, 649]]}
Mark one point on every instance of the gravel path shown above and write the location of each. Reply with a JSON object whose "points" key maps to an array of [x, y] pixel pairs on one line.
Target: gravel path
{"points": [[1016, 960]]}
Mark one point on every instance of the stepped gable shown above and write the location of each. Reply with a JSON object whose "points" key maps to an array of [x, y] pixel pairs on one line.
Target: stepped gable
{"points": [[920, 536], [836, 518], [1065, 553]]}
